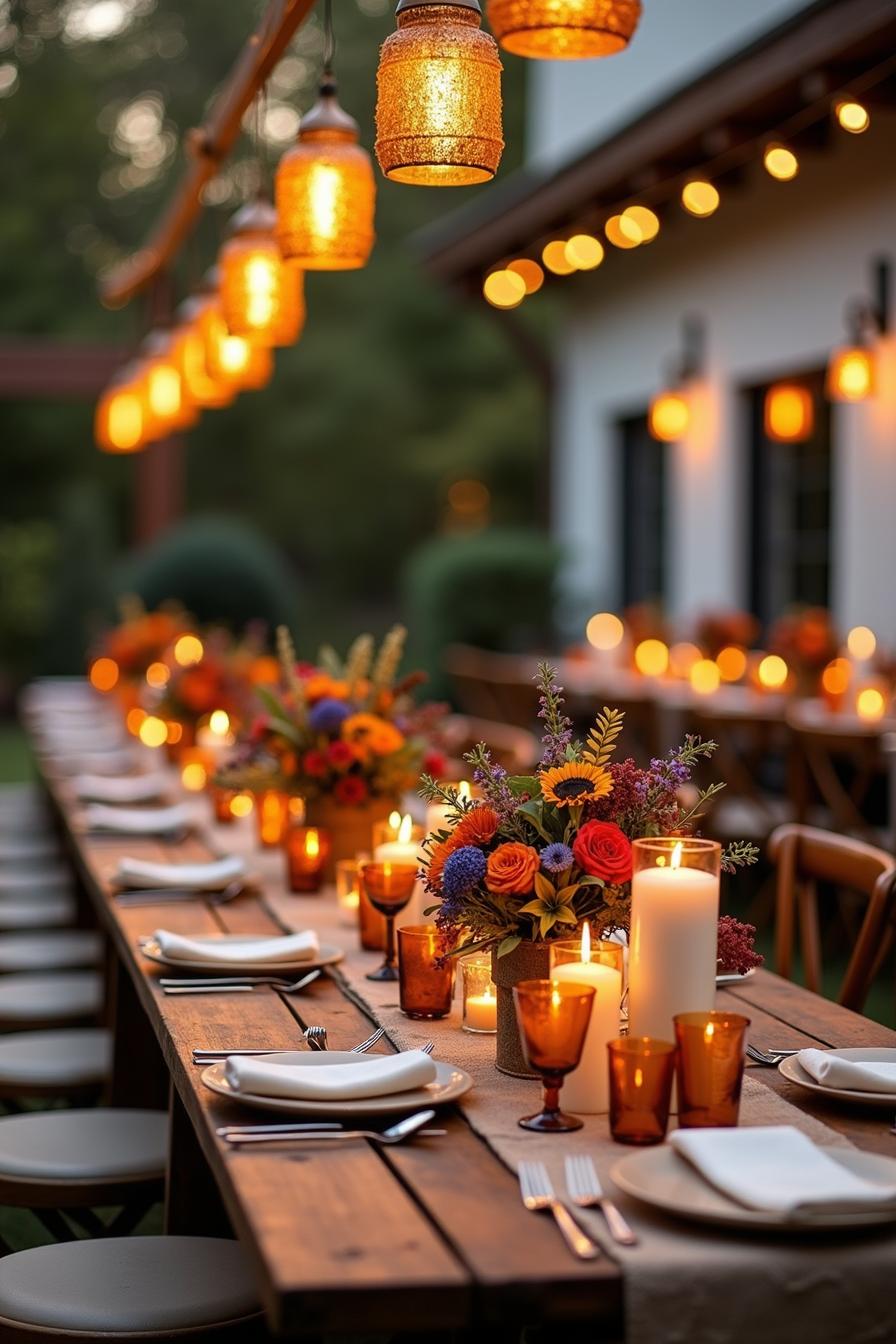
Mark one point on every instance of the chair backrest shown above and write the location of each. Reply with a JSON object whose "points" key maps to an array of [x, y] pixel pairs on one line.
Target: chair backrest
{"points": [[836, 762], [804, 856], [514, 748]]}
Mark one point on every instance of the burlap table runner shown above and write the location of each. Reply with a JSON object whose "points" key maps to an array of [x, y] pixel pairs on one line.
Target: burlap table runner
{"points": [[684, 1283]]}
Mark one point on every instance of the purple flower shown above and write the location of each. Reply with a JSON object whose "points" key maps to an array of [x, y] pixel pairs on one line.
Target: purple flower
{"points": [[328, 716], [463, 870], [556, 858]]}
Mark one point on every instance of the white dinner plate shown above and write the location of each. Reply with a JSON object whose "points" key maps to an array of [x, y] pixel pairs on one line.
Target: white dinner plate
{"points": [[328, 955], [734, 977], [450, 1083], [662, 1179], [794, 1072]]}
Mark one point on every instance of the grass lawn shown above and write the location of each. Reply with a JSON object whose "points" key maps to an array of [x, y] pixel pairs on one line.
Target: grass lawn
{"points": [[15, 758]]}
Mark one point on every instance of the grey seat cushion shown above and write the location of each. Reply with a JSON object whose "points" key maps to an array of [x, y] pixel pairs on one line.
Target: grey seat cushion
{"points": [[50, 951], [36, 998], [84, 1145], [52, 912], [55, 1058], [21, 880], [128, 1284], [27, 846]]}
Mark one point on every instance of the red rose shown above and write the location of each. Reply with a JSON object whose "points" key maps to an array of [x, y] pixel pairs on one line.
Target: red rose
{"points": [[350, 790], [435, 763], [260, 725], [603, 850], [341, 755], [314, 763]]}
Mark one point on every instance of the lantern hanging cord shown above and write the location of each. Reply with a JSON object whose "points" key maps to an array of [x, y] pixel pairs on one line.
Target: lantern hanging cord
{"points": [[329, 41]]}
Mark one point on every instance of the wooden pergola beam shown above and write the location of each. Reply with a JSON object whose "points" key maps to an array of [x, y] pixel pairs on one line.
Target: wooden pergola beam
{"points": [[36, 370], [207, 147]]}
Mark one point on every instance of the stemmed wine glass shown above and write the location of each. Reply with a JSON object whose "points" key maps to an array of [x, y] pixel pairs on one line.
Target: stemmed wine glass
{"points": [[388, 887], [553, 1017]]}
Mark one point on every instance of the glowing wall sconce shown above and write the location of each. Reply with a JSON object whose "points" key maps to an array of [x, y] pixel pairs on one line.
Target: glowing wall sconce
{"points": [[788, 413], [669, 413], [851, 372]]}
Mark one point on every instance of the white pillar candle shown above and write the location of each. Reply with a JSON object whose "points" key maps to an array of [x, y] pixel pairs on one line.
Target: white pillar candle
{"points": [[672, 946], [586, 1091], [403, 850], [439, 815]]}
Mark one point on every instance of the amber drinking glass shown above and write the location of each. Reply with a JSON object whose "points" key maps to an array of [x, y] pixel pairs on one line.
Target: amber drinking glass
{"points": [[641, 1073], [307, 850], [388, 887], [272, 817], [710, 1068], [553, 1017], [425, 983], [221, 800]]}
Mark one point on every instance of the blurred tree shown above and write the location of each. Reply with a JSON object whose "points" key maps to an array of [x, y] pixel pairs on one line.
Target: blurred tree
{"points": [[396, 388]]}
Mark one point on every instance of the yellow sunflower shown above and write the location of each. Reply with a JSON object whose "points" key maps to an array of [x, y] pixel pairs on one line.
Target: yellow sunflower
{"points": [[575, 782]]}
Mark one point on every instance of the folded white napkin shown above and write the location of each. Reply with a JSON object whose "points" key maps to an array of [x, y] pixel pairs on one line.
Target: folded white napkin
{"points": [[100, 762], [777, 1169], [196, 876], [877, 1075], [377, 1076], [121, 789], [289, 948], [138, 820]]}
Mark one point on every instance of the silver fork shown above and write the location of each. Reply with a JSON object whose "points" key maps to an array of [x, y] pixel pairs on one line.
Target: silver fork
{"points": [[769, 1057], [237, 985], [538, 1194], [585, 1189], [214, 1056], [316, 1038]]}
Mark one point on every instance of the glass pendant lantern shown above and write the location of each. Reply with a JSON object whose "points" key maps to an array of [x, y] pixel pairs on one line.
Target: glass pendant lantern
{"points": [[119, 417], [325, 192], [438, 112], [563, 30], [261, 297], [168, 407], [188, 352]]}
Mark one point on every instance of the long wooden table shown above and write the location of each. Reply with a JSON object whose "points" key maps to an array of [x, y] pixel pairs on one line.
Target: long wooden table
{"points": [[426, 1237]]}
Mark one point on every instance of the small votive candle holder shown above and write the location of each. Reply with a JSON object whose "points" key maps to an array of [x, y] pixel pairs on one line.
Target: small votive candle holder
{"points": [[642, 1070], [271, 816], [425, 983], [480, 997], [348, 891], [710, 1068], [196, 765], [307, 850], [222, 800]]}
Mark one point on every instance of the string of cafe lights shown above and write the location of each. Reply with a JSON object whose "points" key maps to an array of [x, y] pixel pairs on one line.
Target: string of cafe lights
{"points": [[629, 226]]}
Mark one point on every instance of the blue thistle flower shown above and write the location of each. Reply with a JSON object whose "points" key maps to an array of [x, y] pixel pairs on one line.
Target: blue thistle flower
{"points": [[328, 715], [556, 858], [463, 869]]}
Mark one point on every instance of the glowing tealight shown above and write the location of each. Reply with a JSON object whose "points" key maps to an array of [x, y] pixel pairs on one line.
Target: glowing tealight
{"points": [[772, 672], [651, 658], [219, 722], [153, 732], [188, 650], [861, 642], [836, 676], [134, 719], [731, 662], [604, 631], [705, 677], [194, 777], [241, 804], [870, 703], [682, 658], [157, 676], [103, 674]]}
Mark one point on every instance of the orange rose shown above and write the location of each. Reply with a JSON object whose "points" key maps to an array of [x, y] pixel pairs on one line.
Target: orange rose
{"points": [[477, 826], [511, 869]]}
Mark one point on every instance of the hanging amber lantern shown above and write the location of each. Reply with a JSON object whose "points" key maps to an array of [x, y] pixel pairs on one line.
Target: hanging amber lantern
{"points": [[438, 111], [188, 352], [119, 418], [325, 192], [168, 407], [261, 297], [563, 30]]}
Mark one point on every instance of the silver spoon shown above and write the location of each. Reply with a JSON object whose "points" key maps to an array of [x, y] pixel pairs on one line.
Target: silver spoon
{"points": [[395, 1134]]}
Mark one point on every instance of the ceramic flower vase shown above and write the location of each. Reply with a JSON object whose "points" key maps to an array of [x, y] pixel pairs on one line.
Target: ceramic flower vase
{"points": [[528, 961]]}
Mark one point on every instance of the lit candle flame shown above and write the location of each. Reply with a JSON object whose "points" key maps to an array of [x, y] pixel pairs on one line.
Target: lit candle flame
{"points": [[586, 942], [395, 821], [639, 1077], [312, 844], [463, 789], [404, 830], [708, 1032], [219, 722], [676, 856]]}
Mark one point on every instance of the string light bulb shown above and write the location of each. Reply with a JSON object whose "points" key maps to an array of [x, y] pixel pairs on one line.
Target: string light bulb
{"points": [[554, 256], [853, 116], [700, 198], [623, 231], [504, 289], [563, 30], [325, 191], [261, 297], [780, 162], [529, 272], [583, 252], [438, 110], [645, 220]]}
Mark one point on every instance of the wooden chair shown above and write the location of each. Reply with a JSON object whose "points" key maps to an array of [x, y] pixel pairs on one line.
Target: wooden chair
{"points": [[804, 857], [514, 748], [468, 669], [151, 1289], [836, 762]]}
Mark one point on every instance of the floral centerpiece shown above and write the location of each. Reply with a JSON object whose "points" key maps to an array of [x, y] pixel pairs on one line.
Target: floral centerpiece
{"points": [[716, 630], [140, 639], [342, 733], [537, 855], [806, 638]]}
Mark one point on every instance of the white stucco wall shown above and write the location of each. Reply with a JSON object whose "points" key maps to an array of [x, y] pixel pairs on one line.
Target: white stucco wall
{"points": [[572, 104], [771, 274]]}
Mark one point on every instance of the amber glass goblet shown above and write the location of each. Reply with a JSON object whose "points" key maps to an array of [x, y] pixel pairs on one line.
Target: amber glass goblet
{"points": [[710, 1068], [388, 887], [553, 1017]]}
